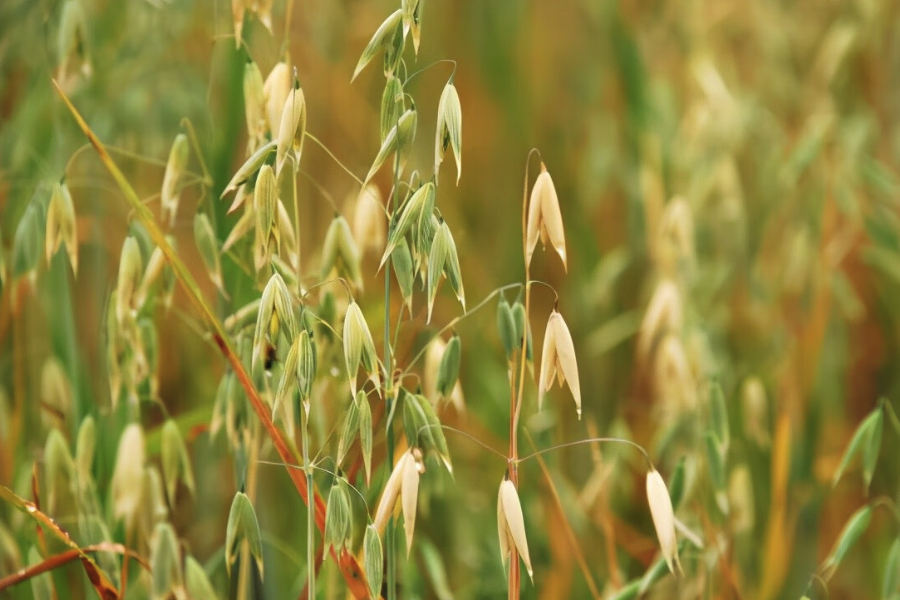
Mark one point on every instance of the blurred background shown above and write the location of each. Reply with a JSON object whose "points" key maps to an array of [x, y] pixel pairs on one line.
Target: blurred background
{"points": [[742, 157]]}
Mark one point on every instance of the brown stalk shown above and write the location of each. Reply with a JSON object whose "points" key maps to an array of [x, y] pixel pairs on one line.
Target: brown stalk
{"points": [[64, 558], [350, 569], [105, 589]]}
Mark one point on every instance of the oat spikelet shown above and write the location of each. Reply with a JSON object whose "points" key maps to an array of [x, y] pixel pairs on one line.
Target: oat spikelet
{"points": [[409, 489], [391, 493], [61, 225], [663, 518], [558, 360], [664, 315], [544, 218], [275, 90], [511, 524]]}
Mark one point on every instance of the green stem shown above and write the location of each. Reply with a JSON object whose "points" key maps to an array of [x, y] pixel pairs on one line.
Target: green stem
{"points": [[311, 512], [390, 559]]}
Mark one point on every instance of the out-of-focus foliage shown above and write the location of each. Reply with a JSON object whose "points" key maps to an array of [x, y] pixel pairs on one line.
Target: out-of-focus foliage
{"points": [[728, 174]]}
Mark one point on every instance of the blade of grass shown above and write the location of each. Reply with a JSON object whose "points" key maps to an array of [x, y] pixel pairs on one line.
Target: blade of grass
{"points": [[350, 569]]}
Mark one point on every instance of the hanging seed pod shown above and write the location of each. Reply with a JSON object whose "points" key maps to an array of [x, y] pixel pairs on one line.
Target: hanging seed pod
{"points": [[27, 242], [175, 166], [449, 369], [419, 207], [338, 519], [250, 167], [238, 8], [293, 127], [61, 225], [84, 449], [340, 252], [266, 205], [350, 428], [359, 347], [242, 526], [506, 327], [404, 271], [365, 432], [443, 261], [128, 475], [392, 105], [664, 315], [275, 90], [518, 312], [165, 560], [382, 37], [399, 139], [449, 129], [59, 470], [412, 468], [71, 38], [130, 270], [866, 441], [254, 103], [306, 365], [511, 525], [663, 518], [544, 218], [369, 220], [208, 245], [373, 561], [558, 360], [853, 530], [196, 581], [176, 464], [412, 20], [391, 492]]}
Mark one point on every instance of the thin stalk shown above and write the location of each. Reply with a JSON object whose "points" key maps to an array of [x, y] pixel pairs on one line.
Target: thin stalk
{"points": [[390, 558], [311, 513]]}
